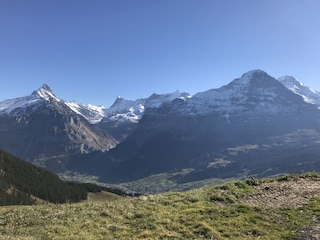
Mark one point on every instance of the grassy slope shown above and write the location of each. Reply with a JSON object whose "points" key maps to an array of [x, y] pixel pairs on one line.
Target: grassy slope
{"points": [[216, 212]]}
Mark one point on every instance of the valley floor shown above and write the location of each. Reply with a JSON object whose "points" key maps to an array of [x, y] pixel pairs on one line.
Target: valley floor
{"points": [[285, 208]]}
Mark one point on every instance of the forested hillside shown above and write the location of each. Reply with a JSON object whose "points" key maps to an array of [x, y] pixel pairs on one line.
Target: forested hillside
{"points": [[23, 183]]}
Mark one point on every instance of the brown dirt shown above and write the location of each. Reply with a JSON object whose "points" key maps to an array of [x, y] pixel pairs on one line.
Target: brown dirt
{"points": [[293, 194]]}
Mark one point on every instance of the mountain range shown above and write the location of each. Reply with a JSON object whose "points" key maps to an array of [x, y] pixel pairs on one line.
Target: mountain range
{"points": [[254, 126]]}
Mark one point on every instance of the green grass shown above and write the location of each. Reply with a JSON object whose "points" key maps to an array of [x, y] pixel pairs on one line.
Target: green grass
{"points": [[103, 196], [216, 212], [165, 182]]}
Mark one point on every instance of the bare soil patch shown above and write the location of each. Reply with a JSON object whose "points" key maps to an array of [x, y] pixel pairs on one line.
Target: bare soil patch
{"points": [[293, 194], [289, 194]]}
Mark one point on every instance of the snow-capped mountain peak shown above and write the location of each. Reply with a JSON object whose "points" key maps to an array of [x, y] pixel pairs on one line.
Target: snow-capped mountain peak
{"points": [[92, 113], [237, 89], [289, 80], [308, 94], [128, 110], [248, 76], [18, 105], [120, 103], [155, 100], [46, 93], [253, 90]]}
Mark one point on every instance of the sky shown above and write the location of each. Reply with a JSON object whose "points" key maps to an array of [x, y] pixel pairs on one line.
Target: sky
{"points": [[92, 51]]}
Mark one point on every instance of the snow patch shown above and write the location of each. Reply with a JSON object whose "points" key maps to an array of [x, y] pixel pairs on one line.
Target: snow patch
{"points": [[9, 105], [46, 93], [94, 114]]}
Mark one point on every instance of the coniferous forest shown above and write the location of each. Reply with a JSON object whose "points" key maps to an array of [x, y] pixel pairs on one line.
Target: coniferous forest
{"points": [[22, 183]]}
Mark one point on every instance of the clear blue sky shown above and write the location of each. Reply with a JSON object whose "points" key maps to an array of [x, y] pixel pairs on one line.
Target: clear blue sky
{"points": [[91, 51]]}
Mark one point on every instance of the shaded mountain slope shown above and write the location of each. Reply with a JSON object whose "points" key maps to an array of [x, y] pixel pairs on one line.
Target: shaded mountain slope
{"points": [[252, 126]]}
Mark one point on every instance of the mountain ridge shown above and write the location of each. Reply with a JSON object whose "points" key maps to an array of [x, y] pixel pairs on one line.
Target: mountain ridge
{"points": [[169, 137], [123, 108], [215, 133]]}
